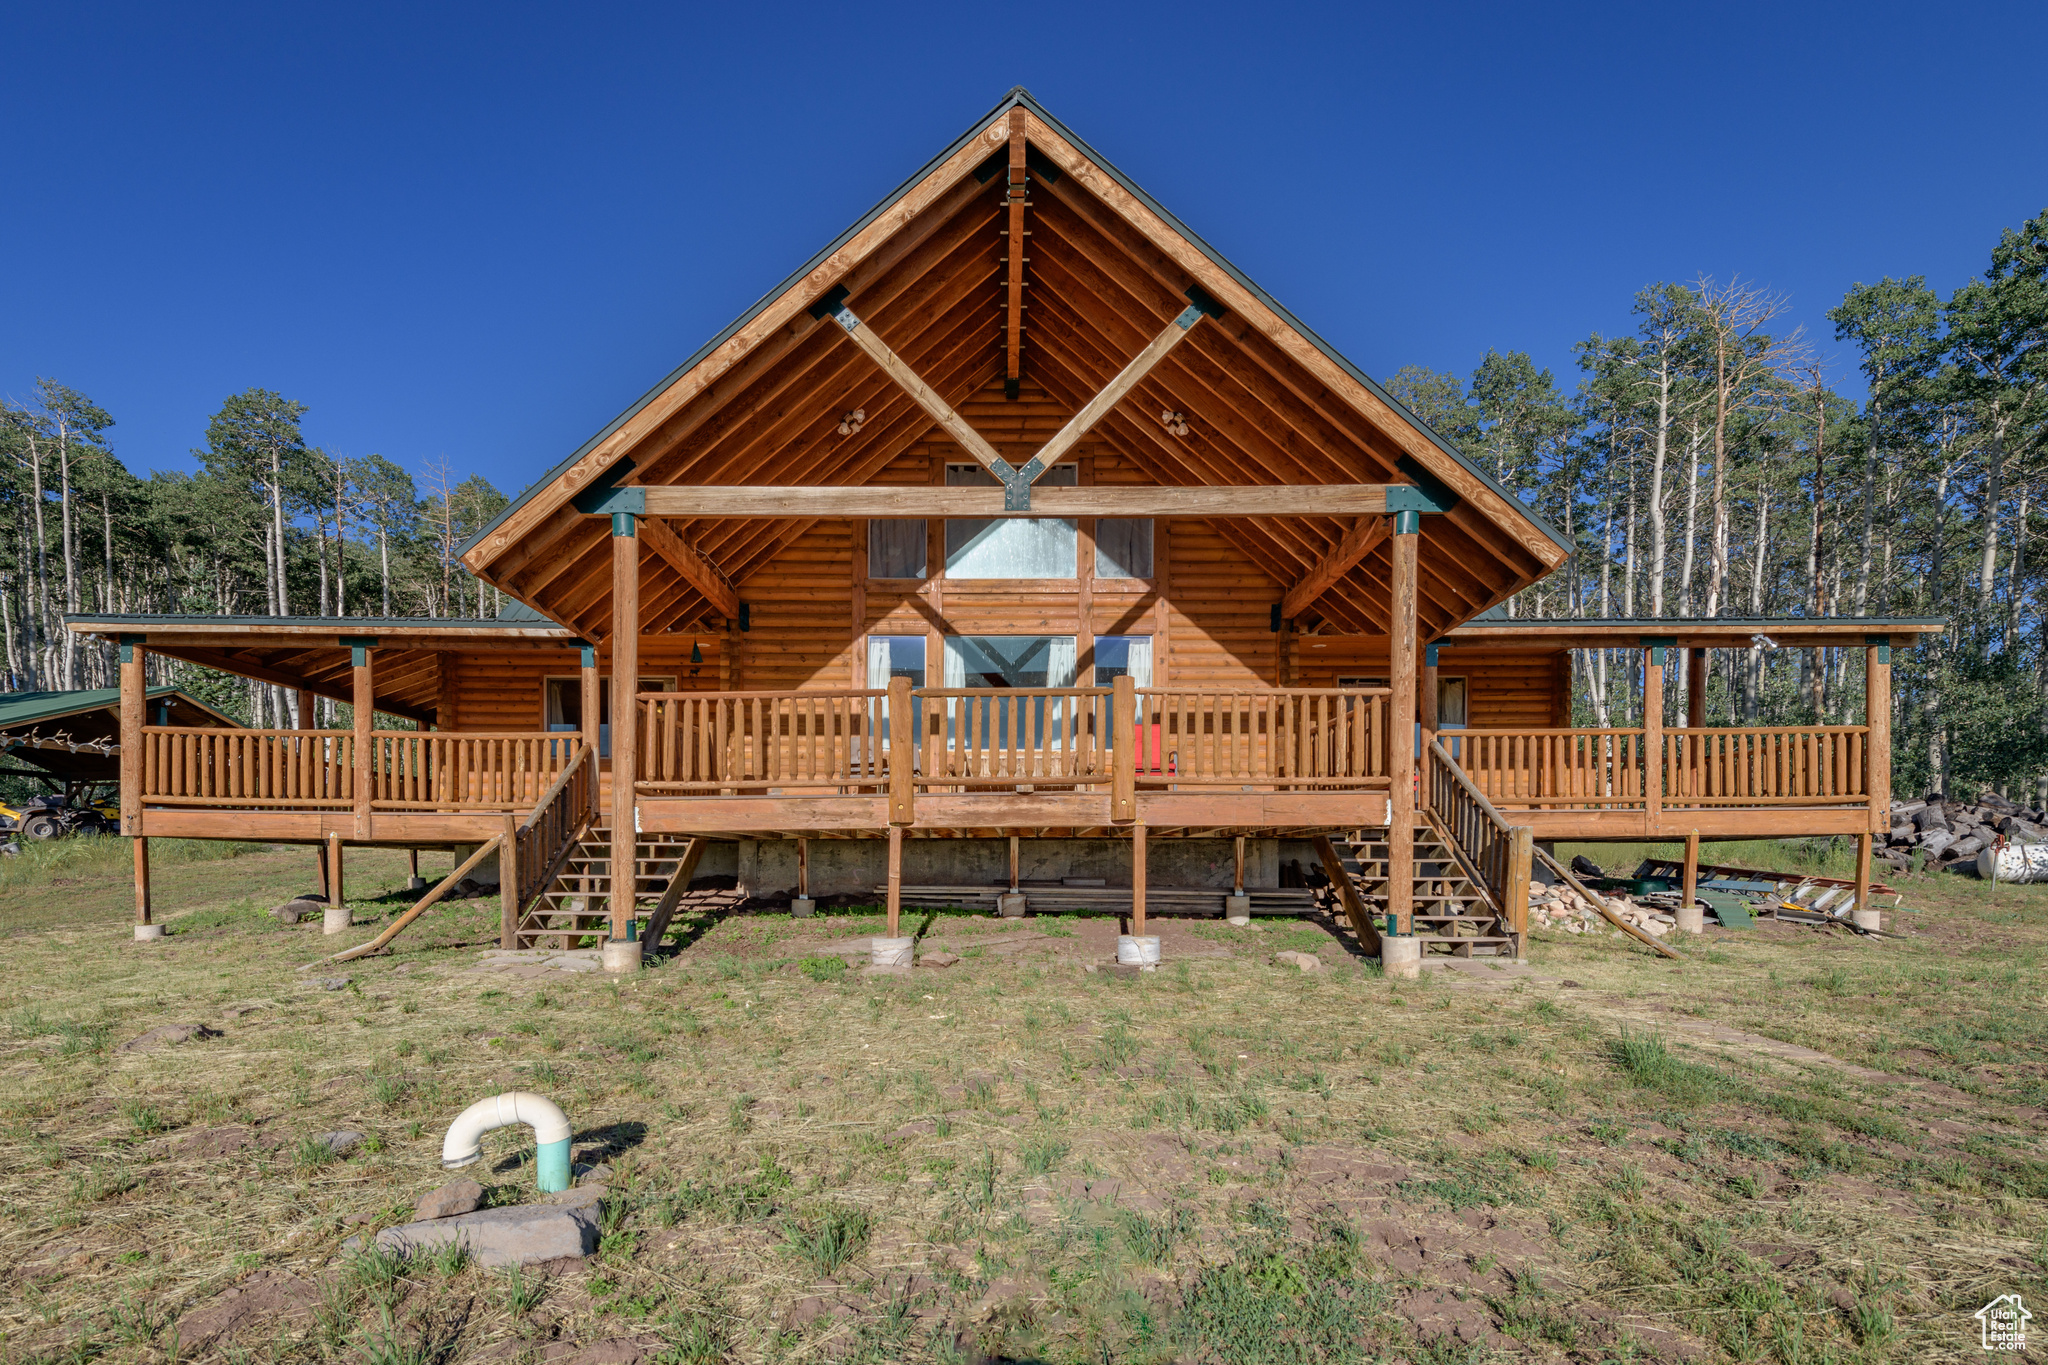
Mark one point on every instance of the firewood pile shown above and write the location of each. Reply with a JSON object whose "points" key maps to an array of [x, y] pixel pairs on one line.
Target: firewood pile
{"points": [[1560, 907], [1950, 833]]}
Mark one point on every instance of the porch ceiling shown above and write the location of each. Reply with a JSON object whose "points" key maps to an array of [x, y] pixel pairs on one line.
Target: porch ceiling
{"points": [[1104, 272]]}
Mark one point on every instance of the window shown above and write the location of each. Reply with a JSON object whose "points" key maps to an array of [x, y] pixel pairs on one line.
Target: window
{"points": [[1123, 547], [1119, 655], [1011, 547], [997, 661], [563, 700], [1450, 703], [895, 656], [896, 548]]}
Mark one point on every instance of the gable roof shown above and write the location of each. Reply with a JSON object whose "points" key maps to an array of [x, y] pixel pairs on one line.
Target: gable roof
{"points": [[1350, 418], [18, 709]]}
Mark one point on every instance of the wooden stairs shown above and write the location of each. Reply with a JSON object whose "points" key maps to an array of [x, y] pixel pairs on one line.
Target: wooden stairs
{"points": [[574, 910], [1454, 915]]}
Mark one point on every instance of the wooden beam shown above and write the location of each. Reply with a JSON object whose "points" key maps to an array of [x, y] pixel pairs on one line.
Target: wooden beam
{"points": [[1294, 500], [1361, 540], [696, 567], [134, 699], [1020, 191], [625, 643], [923, 394], [1113, 392]]}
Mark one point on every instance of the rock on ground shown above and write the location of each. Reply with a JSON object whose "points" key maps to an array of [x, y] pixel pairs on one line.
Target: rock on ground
{"points": [[341, 1143], [1307, 962], [521, 1234], [169, 1033], [456, 1197], [292, 911]]}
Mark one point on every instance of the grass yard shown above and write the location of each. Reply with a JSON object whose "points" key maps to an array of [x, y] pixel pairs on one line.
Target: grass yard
{"points": [[1795, 1146]]}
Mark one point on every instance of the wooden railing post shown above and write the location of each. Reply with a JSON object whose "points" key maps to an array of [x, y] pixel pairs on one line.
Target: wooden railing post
{"points": [[1653, 736], [134, 701], [906, 724], [1123, 730], [1426, 715], [1521, 855], [593, 715], [365, 699], [1877, 718]]}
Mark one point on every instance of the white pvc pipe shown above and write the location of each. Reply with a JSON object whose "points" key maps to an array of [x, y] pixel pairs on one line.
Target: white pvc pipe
{"points": [[550, 1125]]}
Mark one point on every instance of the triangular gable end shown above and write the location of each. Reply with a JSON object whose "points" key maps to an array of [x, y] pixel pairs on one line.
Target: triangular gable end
{"points": [[1347, 417]]}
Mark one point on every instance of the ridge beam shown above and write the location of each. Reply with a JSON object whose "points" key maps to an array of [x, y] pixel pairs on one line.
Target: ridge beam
{"points": [[1020, 189], [1361, 540]]}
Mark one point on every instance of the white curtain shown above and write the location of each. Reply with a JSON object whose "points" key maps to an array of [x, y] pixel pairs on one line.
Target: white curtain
{"points": [[878, 662], [956, 663], [1140, 664], [1059, 668]]}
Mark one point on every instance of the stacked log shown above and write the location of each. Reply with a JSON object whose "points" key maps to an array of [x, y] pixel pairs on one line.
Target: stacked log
{"points": [[1952, 833]]}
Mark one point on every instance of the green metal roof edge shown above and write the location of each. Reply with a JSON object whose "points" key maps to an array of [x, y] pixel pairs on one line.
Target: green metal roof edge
{"points": [[1667, 622], [89, 699], [346, 625], [1018, 96]]}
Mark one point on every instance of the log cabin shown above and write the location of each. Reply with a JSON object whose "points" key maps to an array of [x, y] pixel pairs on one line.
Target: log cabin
{"points": [[1017, 549]]}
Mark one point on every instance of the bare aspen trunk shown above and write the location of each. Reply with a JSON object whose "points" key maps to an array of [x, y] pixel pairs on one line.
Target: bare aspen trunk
{"points": [[1869, 513], [1658, 449], [1994, 492], [2016, 572], [1692, 509], [384, 558]]}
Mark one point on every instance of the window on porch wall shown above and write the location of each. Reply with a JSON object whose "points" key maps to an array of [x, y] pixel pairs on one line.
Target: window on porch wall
{"points": [[564, 705], [1012, 547], [1003, 661], [894, 656]]}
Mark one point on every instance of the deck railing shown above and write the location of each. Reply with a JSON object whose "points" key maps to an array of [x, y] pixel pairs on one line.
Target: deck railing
{"points": [[966, 739], [1613, 769], [407, 770], [1495, 853], [298, 769], [1775, 765], [543, 841]]}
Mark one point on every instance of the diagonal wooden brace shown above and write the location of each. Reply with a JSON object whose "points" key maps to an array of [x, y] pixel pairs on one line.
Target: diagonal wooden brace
{"points": [[1017, 479]]}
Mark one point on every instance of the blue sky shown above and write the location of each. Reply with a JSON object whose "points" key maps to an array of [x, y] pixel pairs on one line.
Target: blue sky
{"points": [[476, 233]]}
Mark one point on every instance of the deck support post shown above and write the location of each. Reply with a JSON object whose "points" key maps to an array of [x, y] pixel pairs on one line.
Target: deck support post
{"points": [[1653, 735], [1138, 878], [1863, 842], [1237, 866], [1015, 859], [895, 881], [593, 715], [308, 710], [1692, 869], [625, 715], [1877, 716], [142, 905], [364, 698], [508, 884], [134, 700], [334, 888], [1696, 687], [1401, 725]]}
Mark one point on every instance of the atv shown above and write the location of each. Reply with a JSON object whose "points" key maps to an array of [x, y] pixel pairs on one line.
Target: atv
{"points": [[52, 816]]}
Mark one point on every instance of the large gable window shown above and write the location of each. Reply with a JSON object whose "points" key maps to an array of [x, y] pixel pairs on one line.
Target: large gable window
{"points": [[1011, 547]]}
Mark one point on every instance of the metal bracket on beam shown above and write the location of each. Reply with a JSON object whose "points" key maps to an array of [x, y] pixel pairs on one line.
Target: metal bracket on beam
{"points": [[1402, 498], [1881, 643], [1429, 655], [623, 518], [1407, 520], [1439, 496], [589, 655], [606, 496], [358, 647], [1204, 302], [128, 644], [1657, 644]]}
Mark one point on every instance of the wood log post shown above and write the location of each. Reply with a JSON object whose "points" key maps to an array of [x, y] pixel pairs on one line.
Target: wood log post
{"points": [[590, 691], [142, 905], [1692, 868], [625, 730], [1521, 865], [364, 699], [1015, 859], [895, 881], [1425, 708], [134, 702], [1863, 843], [1123, 734], [1401, 725], [1653, 735], [1237, 871], [1138, 878], [309, 710], [803, 868], [336, 894], [1696, 687], [321, 874], [1877, 716], [906, 721], [508, 884]]}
